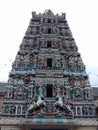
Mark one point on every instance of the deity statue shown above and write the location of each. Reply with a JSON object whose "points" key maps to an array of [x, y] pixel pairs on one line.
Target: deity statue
{"points": [[40, 90], [72, 80], [26, 80], [42, 62], [43, 44], [57, 63], [58, 91]]}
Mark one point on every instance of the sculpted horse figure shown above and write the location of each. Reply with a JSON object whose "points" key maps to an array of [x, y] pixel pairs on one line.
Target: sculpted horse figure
{"points": [[37, 104], [61, 106], [59, 102]]}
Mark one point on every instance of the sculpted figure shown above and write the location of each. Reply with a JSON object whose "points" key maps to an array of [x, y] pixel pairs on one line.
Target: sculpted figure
{"points": [[42, 62], [62, 105], [37, 104], [58, 91], [40, 90]]}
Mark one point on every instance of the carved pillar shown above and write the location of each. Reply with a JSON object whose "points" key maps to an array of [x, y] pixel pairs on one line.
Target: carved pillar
{"points": [[54, 90], [67, 93], [76, 110], [86, 94], [9, 108], [16, 109], [21, 109], [81, 109]]}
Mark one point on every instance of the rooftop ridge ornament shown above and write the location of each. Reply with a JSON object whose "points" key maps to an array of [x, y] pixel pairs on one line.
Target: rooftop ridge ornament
{"points": [[48, 12]]}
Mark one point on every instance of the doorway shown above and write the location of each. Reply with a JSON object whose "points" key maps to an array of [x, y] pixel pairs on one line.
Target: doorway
{"points": [[49, 90], [48, 44], [49, 62], [49, 30]]}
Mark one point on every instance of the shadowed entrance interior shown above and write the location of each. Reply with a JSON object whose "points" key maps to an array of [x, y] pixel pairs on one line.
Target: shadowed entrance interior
{"points": [[49, 90]]}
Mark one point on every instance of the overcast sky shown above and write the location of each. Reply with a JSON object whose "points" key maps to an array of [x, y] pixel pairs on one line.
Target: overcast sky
{"points": [[82, 16]]}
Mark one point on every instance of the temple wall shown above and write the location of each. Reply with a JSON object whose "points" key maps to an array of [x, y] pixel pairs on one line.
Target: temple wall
{"points": [[86, 128], [10, 128], [17, 128]]}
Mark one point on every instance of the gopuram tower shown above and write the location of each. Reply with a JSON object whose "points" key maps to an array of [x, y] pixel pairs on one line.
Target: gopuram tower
{"points": [[48, 84]]}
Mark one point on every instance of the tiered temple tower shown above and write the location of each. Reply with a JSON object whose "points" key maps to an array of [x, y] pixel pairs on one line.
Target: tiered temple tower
{"points": [[48, 77]]}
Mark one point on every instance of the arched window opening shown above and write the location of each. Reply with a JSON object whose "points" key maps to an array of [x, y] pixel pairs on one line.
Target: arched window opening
{"points": [[84, 111], [18, 110], [6, 110], [12, 109], [78, 111], [90, 111]]}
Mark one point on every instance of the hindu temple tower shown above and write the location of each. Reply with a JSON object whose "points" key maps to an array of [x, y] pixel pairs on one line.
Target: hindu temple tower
{"points": [[48, 87]]}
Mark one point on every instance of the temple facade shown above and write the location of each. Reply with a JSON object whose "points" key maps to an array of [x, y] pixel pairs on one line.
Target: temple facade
{"points": [[48, 87]]}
